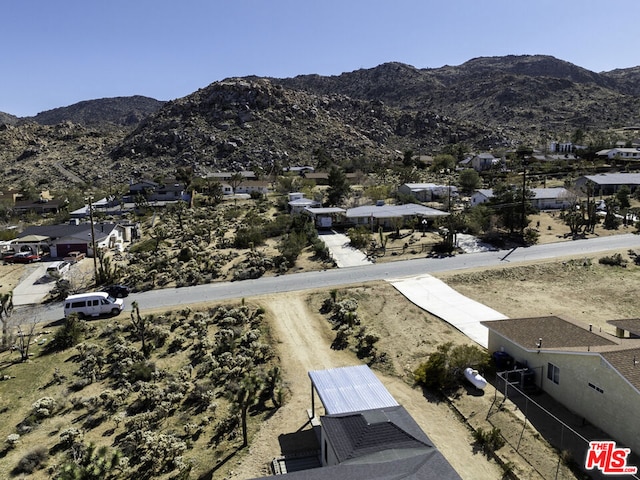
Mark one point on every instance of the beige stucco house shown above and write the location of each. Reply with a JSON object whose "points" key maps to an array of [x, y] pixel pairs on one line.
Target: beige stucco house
{"points": [[594, 374]]}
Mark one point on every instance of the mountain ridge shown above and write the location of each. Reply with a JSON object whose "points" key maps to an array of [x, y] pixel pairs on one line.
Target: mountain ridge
{"points": [[360, 119]]}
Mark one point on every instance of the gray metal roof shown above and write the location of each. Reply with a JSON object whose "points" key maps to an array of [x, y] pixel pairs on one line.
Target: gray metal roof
{"points": [[394, 211], [350, 389]]}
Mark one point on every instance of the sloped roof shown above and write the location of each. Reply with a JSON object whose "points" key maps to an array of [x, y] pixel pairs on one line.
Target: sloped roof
{"points": [[555, 332], [631, 325], [375, 434], [627, 363], [102, 230]]}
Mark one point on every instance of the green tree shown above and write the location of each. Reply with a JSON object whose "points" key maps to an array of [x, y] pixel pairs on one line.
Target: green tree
{"points": [[443, 162], [508, 204], [236, 180], [339, 186], [622, 196], [469, 180]]}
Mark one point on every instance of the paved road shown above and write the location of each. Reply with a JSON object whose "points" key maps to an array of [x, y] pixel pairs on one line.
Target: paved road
{"points": [[175, 297]]}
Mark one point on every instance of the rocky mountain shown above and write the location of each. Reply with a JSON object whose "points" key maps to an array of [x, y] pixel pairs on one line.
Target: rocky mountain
{"points": [[520, 95], [126, 111], [360, 119]]}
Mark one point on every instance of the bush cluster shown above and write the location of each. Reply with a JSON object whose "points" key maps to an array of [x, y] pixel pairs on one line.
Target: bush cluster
{"points": [[444, 369]]}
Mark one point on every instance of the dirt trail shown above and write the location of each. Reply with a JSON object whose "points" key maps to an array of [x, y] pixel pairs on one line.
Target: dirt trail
{"points": [[303, 343]]}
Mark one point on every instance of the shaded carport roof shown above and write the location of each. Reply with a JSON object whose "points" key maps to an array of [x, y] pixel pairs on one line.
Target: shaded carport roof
{"points": [[350, 389]]}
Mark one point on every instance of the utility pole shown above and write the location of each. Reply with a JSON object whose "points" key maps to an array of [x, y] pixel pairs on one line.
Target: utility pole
{"points": [[524, 189], [93, 243]]}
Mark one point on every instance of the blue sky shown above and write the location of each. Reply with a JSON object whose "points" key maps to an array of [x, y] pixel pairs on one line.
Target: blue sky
{"points": [[56, 53]]}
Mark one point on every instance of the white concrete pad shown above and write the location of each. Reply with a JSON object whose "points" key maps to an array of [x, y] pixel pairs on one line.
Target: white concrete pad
{"points": [[33, 288], [444, 302], [342, 253]]}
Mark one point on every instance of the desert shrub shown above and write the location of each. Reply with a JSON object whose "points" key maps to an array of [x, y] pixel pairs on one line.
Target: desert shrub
{"points": [[31, 462], [12, 440], [365, 344], [248, 237], [489, 440], [444, 368], [141, 371], [44, 407], [359, 237], [144, 246], [615, 260], [69, 334], [531, 236]]}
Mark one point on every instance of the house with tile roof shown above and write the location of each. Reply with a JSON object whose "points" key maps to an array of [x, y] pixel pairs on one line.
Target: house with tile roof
{"points": [[594, 374], [365, 433]]}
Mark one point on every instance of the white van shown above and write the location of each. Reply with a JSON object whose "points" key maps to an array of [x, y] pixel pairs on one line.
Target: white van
{"points": [[92, 304], [57, 269]]}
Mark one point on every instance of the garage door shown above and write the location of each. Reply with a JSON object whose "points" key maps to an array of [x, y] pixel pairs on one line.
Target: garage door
{"points": [[65, 248]]}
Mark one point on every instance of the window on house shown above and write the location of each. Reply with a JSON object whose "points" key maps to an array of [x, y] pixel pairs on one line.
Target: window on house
{"points": [[553, 373]]}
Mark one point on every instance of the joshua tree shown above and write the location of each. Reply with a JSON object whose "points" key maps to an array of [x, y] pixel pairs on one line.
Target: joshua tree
{"points": [[141, 327], [6, 307], [244, 396]]}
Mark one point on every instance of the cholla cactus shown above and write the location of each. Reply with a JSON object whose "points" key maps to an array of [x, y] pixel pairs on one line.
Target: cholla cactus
{"points": [[12, 440], [44, 407], [70, 436]]}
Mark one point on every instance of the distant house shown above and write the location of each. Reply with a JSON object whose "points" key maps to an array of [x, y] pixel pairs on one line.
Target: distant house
{"points": [[595, 375], [297, 202], [483, 161], [365, 434], [325, 217], [226, 176], [154, 192], [543, 198], [428, 192], [251, 186], [300, 170], [620, 153], [39, 206], [75, 236], [608, 183], [481, 196], [387, 216]]}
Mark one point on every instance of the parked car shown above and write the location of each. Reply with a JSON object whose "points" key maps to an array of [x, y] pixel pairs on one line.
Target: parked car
{"points": [[74, 257], [92, 304], [117, 291], [57, 269], [22, 257]]}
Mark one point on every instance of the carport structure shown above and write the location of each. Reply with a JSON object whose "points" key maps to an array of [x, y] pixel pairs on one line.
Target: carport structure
{"points": [[348, 389]]}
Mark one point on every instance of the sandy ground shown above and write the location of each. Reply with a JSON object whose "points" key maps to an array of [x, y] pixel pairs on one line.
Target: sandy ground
{"points": [[408, 335], [304, 344]]}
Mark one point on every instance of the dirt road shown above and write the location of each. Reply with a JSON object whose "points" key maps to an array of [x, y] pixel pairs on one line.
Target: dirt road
{"points": [[303, 343]]}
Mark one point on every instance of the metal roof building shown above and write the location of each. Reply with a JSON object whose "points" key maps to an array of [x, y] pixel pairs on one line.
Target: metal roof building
{"points": [[350, 389]]}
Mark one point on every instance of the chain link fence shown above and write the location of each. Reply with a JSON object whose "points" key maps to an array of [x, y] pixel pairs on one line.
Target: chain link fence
{"points": [[567, 433]]}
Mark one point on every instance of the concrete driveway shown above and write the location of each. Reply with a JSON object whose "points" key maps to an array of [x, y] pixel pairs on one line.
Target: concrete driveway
{"points": [[342, 253], [34, 286]]}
